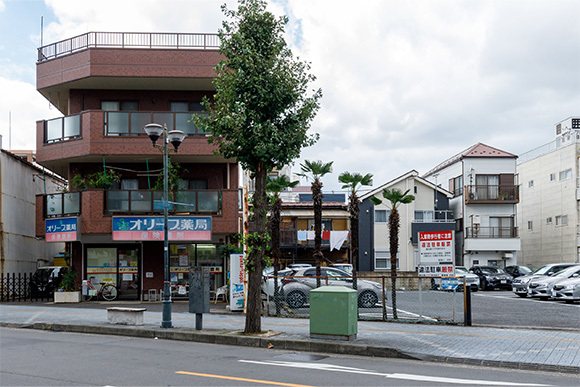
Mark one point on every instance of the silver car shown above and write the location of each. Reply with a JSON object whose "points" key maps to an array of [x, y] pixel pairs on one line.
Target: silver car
{"points": [[542, 287], [520, 284], [296, 288], [567, 290], [471, 279]]}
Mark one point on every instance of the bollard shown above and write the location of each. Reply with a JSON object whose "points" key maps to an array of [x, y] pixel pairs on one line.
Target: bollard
{"points": [[467, 306]]}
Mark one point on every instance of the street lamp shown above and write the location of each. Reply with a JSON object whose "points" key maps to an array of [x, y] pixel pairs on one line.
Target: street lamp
{"points": [[154, 131]]}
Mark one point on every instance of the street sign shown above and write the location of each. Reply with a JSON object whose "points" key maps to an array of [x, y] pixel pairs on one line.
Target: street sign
{"points": [[449, 283], [436, 254]]}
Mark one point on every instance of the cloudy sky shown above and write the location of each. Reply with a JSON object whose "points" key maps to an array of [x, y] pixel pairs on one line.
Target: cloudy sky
{"points": [[406, 84]]}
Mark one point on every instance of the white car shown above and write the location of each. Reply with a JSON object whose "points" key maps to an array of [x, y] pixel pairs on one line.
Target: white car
{"points": [[268, 279], [542, 287], [567, 290], [471, 279]]}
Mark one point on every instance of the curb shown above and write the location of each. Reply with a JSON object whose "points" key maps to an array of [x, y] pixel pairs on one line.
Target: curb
{"points": [[225, 337]]}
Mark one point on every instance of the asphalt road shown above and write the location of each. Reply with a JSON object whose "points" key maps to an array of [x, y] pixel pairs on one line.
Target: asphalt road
{"points": [[65, 359]]}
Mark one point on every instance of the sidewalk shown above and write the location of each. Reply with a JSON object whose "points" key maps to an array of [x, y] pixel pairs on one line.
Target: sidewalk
{"points": [[533, 349]]}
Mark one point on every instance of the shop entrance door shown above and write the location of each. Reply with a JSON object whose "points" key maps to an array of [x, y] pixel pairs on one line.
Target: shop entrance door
{"points": [[128, 278]]}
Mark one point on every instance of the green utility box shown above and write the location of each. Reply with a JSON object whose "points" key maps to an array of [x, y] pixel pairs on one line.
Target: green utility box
{"points": [[333, 313]]}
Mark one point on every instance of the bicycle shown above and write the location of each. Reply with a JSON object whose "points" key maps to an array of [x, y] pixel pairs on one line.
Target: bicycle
{"points": [[107, 290]]}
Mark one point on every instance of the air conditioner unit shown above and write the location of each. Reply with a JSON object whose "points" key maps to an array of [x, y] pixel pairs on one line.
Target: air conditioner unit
{"points": [[476, 219]]}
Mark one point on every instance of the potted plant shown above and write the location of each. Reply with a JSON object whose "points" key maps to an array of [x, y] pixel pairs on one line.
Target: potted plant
{"points": [[67, 291]]}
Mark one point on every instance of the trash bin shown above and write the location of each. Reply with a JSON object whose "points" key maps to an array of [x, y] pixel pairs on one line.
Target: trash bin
{"points": [[333, 313]]}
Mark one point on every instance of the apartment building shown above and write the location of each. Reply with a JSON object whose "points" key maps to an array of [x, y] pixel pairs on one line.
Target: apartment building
{"points": [[548, 212], [428, 212], [483, 182], [108, 86]]}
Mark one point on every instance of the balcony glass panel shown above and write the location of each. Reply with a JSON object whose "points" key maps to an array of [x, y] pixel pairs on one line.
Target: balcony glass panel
{"points": [[117, 123], [72, 203], [54, 204], [138, 121], [200, 131], [164, 118], [54, 129], [181, 122], [140, 201], [72, 126], [208, 201], [118, 201], [186, 197]]}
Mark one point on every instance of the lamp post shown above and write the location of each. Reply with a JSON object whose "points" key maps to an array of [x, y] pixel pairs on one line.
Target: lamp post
{"points": [[154, 131]]}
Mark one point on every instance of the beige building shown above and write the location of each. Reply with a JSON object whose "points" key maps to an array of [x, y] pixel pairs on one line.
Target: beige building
{"points": [[549, 198]]}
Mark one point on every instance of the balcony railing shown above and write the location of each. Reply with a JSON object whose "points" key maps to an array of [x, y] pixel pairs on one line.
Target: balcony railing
{"points": [[62, 204], [491, 194], [128, 40], [491, 232], [119, 123], [289, 238], [441, 216], [62, 129], [146, 201]]}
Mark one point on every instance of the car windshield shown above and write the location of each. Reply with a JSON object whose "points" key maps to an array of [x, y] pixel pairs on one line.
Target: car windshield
{"points": [[460, 270], [525, 270], [492, 270], [542, 270]]}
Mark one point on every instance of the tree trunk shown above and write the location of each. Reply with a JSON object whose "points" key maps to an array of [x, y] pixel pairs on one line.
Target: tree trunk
{"points": [[394, 247], [317, 203], [354, 213], [275, 232], [257, 245]]}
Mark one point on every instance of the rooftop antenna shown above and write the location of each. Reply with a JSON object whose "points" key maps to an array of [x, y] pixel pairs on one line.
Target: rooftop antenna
{"points": [[10, 130], [41, 30]]}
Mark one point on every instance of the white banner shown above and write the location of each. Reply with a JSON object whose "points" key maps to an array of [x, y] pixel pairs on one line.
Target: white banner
{"points": [[237, 281]]}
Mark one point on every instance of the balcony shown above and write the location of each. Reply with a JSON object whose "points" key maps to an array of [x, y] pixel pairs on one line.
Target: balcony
{"points": [[491, 194], [62, 204], [289, 239], [491, 232], [431, 221], [135, 202]]}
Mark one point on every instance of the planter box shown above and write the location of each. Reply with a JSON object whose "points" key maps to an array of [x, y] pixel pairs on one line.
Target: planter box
{"points": [[66, 297]]}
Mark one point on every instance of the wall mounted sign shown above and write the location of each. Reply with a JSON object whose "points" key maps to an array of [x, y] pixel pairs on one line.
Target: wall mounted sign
{"points": [[61, 229], [150, 228]]}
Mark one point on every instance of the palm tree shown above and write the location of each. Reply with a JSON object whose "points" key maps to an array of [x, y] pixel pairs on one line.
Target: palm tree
{"points": [[353, 181], [395, 197], [315, 170], [276, 185]]}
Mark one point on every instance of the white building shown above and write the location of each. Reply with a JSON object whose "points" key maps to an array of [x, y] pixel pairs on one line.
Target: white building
{"points": [[20, 182], [550, 197], [482, 180]]}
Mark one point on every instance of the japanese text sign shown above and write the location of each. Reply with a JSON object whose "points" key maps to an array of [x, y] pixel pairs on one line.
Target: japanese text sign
{"points": [[61, 229], [150, 228], [436, 251]]}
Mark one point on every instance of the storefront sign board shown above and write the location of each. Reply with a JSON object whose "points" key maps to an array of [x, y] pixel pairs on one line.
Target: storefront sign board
{"points": [[61, 229], [436, 252], [237, 281], [150, 228]]}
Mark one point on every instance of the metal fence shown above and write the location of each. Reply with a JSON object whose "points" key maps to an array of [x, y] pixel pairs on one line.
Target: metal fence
{"points": [[417, 299], [20, 287]]}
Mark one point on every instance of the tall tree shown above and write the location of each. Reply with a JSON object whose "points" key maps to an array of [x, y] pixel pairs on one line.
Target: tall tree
{"points": [[395, 197], [315, 170], [277, 185], [352, 182], [259, 115]]}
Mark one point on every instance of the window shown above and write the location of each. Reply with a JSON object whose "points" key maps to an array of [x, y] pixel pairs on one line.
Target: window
{"points": [[501, 227], [179, 106], [530, 225], [566, 175], [196, 107], [382, 216], [530, 183], [326, 224], [456, 185], [575, 123], [383, 259], [552, 176], [487, 187], [415, 189], [549, 220], [562, 220], [120, 105], [424, 216]]}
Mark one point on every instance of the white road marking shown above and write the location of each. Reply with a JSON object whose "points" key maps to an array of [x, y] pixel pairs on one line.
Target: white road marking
{"points": [[524, 299], [421, 378]]}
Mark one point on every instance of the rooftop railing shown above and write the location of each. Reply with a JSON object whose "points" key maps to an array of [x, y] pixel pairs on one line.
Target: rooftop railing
{"points": [[128, 40]]}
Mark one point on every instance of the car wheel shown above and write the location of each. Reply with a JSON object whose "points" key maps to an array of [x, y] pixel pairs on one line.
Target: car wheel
{"points": [[522, 295], [474, 288], [367, 299], [296, 299], [483, 285]]}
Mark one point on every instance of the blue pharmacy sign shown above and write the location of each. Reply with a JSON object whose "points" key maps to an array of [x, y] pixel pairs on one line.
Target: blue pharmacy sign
{"points": [[61, 229]]}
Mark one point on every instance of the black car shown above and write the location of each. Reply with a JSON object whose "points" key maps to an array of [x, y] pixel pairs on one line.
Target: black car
{"points": [[520, 270], [492, 277], [46, 279]]}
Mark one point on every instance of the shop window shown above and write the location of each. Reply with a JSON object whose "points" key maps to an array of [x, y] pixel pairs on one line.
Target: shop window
{"points": [[102, 264]]}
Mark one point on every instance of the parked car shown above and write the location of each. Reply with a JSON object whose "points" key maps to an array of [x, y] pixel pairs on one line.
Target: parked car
{"points": [[471, 279], [520, 270], [297, 287], [268, 279], [541, 287], [520, 284], [567, 290], [492, 277], [343, 266], [298, 265], [46, 279]]}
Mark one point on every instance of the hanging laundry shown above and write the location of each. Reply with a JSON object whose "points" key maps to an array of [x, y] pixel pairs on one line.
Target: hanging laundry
{"points": [[337, 238], [326, 235], [302, 235], [310, 236]]}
